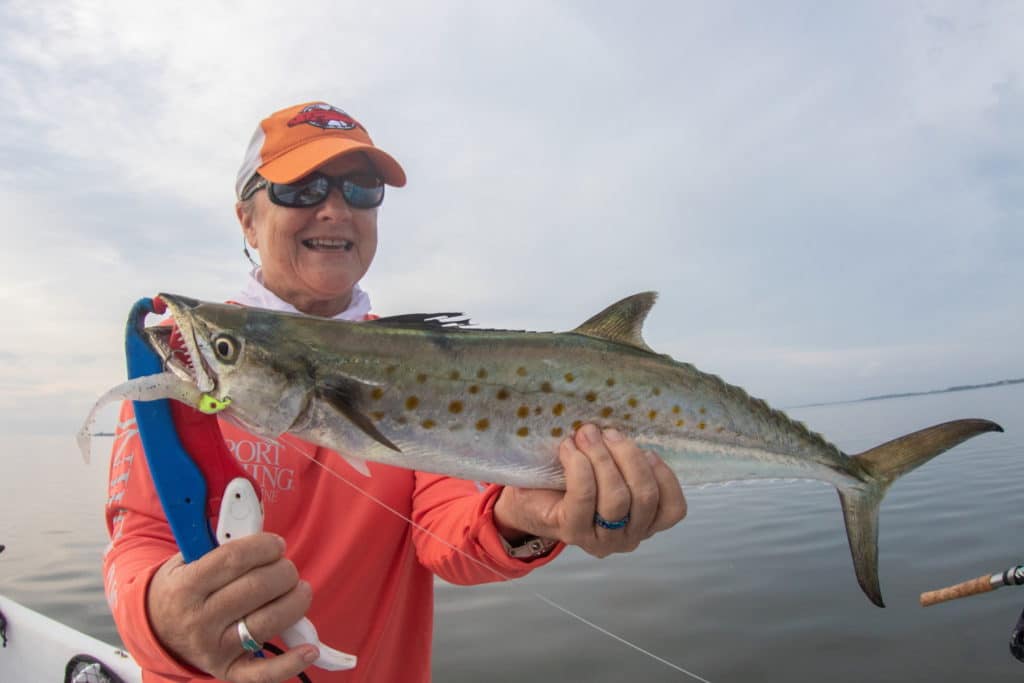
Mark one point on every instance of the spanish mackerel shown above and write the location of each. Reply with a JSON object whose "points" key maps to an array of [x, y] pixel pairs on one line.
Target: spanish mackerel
{"points": [[493, 405]]}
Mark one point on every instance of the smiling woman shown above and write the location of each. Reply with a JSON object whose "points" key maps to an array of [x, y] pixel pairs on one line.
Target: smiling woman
{"points": [[315, 245], [372, 572], [313, 256]]}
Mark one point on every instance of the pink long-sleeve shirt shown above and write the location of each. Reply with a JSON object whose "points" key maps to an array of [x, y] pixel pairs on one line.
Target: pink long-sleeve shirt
{"points": [[371, 571]]}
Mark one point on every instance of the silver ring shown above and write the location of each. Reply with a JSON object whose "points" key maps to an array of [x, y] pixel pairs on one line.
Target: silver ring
{"points": [[249, 643], [605, 524]]}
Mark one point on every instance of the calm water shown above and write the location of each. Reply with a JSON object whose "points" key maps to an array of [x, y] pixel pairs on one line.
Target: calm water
{"points": [[756, 583]]}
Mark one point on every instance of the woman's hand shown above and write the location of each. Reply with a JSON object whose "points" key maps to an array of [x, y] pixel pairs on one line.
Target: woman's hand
{"points": [[194, 609], [608, 475]]}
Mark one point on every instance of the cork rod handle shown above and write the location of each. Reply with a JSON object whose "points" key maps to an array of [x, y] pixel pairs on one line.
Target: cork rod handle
{"points": [[982, 584]]}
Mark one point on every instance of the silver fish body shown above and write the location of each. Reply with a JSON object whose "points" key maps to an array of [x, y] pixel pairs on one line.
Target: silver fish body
{"points": [[493, 405]]}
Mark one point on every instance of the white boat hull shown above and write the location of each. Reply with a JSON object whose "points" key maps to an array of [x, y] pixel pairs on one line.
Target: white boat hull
{"points": [[39, 649]]}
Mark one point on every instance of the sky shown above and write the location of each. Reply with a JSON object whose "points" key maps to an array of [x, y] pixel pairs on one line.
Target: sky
{"points": [[829, 197]]}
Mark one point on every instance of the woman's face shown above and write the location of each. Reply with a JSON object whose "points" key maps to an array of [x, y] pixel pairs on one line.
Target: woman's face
{"points": [[313, 257]]}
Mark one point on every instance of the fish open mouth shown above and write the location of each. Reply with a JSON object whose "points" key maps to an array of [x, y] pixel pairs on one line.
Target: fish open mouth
{"points": [[178, 346]]}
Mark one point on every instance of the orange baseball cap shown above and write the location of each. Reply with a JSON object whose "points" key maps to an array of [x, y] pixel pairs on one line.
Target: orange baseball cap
{"points": [[292, 142]]}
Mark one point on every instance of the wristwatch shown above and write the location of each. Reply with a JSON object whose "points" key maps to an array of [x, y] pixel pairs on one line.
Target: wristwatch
{"points": [[532, 547]]}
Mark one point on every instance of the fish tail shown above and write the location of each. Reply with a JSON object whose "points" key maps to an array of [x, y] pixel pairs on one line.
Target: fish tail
{"points": [[883, 465]]}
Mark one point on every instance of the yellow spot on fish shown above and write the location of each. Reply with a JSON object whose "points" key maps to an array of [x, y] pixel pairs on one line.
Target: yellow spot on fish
{"points": [[411, 403], [569, 377], [454, 375], [653, 414], [455, 407], [703, 410], [523, 431], [502, 394], [576, 425], [657, 391], [377, 415], [421, 378], [545, 387], [701, 425], [391, 369], [524, 411], [558, 409], [680, 423], [481, 373], [610, 382], [473, 388], [538, 410], [606, 411], [632, 402], [590, 396], [521, 371], [428, 424], [627, 417], [482, 424], [675, 410], [557, 431], [376, 393]]}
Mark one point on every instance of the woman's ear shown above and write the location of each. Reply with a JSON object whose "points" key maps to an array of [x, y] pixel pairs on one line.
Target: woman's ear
{"points": [[245, 212]]}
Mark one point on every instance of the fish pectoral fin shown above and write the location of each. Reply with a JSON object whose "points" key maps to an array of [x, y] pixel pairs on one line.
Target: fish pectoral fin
{"points": [[342, 396], [358, 464], [622, 322]]}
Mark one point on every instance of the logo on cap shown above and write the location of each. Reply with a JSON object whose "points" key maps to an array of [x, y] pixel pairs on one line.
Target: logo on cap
{"points": [[324, 116]]}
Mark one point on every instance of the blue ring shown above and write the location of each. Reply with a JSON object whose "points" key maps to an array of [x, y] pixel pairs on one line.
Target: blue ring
{"points": [[605, 524]]}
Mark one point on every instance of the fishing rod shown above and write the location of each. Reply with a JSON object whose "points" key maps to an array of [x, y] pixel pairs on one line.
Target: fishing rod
{"points": [[1014, 576]]}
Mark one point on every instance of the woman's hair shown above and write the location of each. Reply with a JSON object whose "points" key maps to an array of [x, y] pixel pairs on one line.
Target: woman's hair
{"points": [[248, 205]]}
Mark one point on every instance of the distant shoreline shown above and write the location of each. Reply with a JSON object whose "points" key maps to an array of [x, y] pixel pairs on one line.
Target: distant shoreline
{"points": [[965, 387]]}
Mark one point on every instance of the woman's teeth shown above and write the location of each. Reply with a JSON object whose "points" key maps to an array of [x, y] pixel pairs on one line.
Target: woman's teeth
{"points": [[330, 245]]}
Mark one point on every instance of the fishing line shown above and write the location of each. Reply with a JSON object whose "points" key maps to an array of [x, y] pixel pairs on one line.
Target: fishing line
{"points": [[503, 577]]}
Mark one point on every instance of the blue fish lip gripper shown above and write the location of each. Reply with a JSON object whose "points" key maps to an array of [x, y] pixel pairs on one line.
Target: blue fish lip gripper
{"points": [[179, 482]]}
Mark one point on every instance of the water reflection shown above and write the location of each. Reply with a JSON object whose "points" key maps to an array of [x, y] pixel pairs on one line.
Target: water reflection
{"points": [[757, 583]]}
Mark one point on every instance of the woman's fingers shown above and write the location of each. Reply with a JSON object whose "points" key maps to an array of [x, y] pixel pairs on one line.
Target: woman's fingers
{"points": [[644, 491], [283, 667], [267, 620], [226, 563], [671, 500], [253, 589], [194, 608], [613, 494], [576, 509], [633, 493]]}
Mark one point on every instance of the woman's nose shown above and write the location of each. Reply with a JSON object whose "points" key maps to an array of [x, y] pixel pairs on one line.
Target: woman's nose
{"points": [[334, 206]]}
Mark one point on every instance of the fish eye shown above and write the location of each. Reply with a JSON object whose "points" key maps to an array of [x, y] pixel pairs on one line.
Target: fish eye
{"points": [[225, 347]]}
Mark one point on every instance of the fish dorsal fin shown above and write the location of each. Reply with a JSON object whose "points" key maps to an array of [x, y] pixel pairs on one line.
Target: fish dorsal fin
{"points": [[622, 321], [425, 320], [433, 322]]}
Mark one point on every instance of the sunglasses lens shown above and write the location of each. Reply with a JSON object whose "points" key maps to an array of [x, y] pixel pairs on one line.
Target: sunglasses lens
{"points": [[360, 191], [363, 191], [305, 192]]}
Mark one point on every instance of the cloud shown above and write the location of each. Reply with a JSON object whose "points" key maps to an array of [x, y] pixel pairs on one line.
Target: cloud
{"points": [[828, 198]]}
